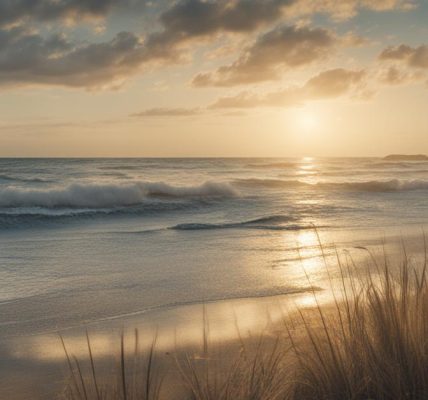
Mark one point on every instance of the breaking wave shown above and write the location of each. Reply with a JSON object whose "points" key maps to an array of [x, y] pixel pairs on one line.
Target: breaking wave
{"points": [[393, 185], [96, 196]]}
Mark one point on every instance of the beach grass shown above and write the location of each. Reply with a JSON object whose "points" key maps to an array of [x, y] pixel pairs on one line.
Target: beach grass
{"points": [[136, 375], [370, 342]]}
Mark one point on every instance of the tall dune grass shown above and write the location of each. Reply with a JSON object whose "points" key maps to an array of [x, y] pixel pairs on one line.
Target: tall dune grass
{"points": [[136, 377], [254, 372], [373, 344], [370, 343]]}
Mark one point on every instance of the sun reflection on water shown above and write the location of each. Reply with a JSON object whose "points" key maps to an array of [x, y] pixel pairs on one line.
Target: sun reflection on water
{"points": [[309, 250], [307, 169]]}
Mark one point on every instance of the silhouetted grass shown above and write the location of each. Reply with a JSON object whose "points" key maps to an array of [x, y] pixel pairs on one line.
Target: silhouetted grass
{"points": [[371, 342], [136, 378]]}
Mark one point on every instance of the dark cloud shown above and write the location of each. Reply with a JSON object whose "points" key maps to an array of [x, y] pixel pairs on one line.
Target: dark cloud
{"points": [[189, 20], [328, 84], [198, 17], [30, 58], [192, 17], [168, 112], [14, 11], [282, 47], [415, 57]]}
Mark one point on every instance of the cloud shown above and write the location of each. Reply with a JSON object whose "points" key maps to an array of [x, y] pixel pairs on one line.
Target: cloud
{"points": [[396, 75], [16, 11], [393, 76], [189, 20], [42, 125], [328, 84], [415, 57], [28, 58], [332, 83], [346, 9], [403, 64], [191, 17], [198, 17], [184, 112], [168, 112], [35, 58], [282, 47]]}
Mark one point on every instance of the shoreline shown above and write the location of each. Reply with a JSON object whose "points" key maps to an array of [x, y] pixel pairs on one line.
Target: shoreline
{"points": [[37, 361], [42, 358]]}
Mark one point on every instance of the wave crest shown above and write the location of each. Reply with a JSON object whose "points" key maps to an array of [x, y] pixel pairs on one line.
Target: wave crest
{"points": [[392, 185], [272, 222], [90, 195]]}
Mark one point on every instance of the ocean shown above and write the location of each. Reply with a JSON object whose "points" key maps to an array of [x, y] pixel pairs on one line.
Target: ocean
{"points": [[87, 240]]}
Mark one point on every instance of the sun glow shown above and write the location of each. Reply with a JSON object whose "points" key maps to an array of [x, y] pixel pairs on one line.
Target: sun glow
{"points": [[307, 121]]}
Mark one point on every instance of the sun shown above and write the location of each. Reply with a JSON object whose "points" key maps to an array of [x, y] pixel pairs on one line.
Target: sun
{"points": [[307, 121]]}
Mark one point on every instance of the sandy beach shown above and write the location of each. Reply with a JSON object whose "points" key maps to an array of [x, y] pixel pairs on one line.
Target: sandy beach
{"points": [[212, 330]]}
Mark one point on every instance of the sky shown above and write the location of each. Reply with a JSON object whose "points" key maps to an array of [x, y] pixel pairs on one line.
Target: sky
{"points": [[213, 78]]}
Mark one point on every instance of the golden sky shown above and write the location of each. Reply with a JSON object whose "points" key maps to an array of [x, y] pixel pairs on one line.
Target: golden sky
{"points": [[213, 78]]}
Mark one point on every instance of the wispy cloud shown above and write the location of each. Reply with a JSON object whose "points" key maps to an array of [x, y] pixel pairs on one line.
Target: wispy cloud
{"points": [[403, 64], [168, 112], [328, 84], [346, 9], [281, 48], [415, 57]]}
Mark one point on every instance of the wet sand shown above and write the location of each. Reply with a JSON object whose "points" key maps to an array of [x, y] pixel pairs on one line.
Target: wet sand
{"points": [[34, 366]]}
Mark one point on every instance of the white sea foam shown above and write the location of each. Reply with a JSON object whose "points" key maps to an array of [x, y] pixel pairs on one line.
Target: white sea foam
{"points": [[366, 186], [108, 195]]}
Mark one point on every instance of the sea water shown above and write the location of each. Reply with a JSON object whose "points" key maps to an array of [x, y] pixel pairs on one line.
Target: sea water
{"points": [[86, 240]]}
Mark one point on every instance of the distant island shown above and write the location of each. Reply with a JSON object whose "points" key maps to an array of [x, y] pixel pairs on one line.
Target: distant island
{"points": [[406, 157]]}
